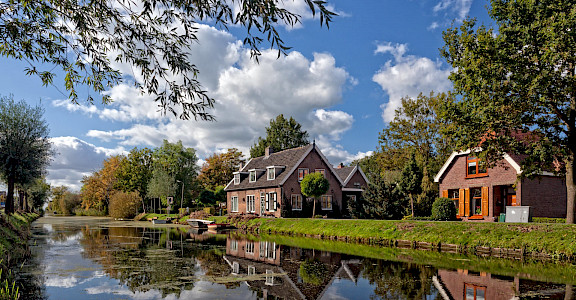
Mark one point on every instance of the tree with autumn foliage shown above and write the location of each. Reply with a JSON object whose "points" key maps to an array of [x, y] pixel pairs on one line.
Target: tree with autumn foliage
{"points": [[218, 168], [518, 78], [100, 185]]}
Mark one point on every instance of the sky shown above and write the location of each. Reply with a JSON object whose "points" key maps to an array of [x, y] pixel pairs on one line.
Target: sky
{"points": [[342, 84]]}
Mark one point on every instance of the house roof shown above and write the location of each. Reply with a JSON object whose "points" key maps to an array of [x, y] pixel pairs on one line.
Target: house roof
{"points": [[288, 159], [346, 173]]}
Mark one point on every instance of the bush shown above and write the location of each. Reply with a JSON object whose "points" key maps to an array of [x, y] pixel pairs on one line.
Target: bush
{"points": [[443, 209], [124, 205], [548, 220]]}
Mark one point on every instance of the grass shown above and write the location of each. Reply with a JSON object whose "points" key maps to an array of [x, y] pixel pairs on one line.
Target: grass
{"points": [[557, 240]]}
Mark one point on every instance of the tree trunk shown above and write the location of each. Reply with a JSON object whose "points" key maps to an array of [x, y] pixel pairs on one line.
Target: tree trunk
{"points": [[570, 189], [411, 204], [314, 207], [26, 204], [10, 196], [20, 200], [569, 294]]}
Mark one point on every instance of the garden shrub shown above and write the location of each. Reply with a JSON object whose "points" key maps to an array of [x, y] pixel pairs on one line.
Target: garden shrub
{"points": [[548, 220], [443, 209], [124, 205]]}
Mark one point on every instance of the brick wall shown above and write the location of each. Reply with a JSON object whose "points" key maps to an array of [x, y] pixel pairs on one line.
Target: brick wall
{"points": [[258, 203], [356, 178], [546, 195], [455, 282]]}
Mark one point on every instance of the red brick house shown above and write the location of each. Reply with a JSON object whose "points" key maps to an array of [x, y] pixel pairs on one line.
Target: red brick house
{"points": [[481, 193], [270, 185]]}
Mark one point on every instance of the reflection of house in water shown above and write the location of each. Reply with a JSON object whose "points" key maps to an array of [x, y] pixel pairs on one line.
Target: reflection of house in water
{"points": [[274, 270], [464, 284]]}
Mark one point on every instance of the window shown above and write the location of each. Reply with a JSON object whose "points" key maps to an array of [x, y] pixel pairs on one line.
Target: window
{"points": [[233, 245], [271, 173], [235, 268], [253, 176], [251, 270], [271, 204], [234, 202], [321, 171], [296, 202], [250, 204], [474, 292], [455, 196], [237, 178], [357, 185], [351, 198], [262, 202], [269, 277], [302, 172], [326, 202], [475, 201], [475, 167], [250, 248]]}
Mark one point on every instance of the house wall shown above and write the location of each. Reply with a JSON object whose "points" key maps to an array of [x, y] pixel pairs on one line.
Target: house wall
{"points": [[357, 177], [501, 174], [546, 195], [292, 186], [455, 283], [256, 192]]}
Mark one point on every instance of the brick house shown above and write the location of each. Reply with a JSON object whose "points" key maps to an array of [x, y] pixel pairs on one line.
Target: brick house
{"points": [[270, 185], [481, 193]]}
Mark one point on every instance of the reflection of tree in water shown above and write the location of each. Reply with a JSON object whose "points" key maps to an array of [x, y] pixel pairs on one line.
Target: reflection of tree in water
{"points": [[395, 280], [143, 259], [313, 271], [29, 277]]}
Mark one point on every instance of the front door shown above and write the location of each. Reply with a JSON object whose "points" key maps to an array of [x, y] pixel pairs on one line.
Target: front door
{"points": [[262, 203]]}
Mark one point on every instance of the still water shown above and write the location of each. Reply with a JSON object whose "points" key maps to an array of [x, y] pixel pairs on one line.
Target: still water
{"points": [[96, 258]]}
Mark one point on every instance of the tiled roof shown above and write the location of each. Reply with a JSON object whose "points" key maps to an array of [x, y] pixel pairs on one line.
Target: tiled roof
{"points": [[344, 172], [286, 158]]}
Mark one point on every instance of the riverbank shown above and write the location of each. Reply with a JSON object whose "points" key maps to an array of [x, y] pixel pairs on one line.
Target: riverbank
{"points": [[14, 235], [516, 240]]}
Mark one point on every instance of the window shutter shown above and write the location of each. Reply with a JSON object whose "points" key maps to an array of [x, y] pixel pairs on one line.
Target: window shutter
{"points": [[461, 206], [275, 201], [267, 201], [485, 206], [445, 193], [467, 202]]}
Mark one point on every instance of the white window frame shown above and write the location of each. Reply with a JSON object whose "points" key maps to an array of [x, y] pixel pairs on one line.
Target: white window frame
{"points": [[262, 202], [250, 204], [237, 179], [235, 268], [252, 176], [270, 171], [326, 199], [251, 270], [298, 198], [250, 247], [271, 201], [302, 172], [269, 277], [233, 245], [234, 204]]}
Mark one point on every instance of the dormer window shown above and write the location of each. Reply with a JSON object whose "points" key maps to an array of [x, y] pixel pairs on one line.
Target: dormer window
{"points": [[271, 173], [252, 175], [237, 178]]}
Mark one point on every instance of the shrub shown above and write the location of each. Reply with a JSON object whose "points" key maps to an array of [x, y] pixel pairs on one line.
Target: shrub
{"points": [[548, 220], [443, 209], [124, 205]]}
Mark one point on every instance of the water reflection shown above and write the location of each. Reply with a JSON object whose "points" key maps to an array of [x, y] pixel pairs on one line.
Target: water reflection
{"points": [[126, 261]]}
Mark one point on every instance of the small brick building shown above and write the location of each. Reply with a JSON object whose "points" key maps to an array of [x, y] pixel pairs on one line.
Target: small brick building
{"points": [[481, 193], [270, 185]]}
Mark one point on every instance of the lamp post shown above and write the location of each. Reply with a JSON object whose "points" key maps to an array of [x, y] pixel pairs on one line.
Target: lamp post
{"points": [[182, 198]]}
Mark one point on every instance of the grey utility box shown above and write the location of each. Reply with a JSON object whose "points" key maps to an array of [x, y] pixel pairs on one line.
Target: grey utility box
{"points": [[517, 214]]}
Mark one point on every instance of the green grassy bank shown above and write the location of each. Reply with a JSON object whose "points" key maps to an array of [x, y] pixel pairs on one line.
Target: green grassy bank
{"points": [[14, 234], [555, 240]]}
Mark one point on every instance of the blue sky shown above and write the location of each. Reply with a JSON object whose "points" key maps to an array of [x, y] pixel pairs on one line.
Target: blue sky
{"points": [[342, 84]]}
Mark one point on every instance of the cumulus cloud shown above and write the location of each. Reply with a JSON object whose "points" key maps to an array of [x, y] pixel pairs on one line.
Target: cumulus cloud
{"points": [[459, 7], [408, 76], [74, 159]]}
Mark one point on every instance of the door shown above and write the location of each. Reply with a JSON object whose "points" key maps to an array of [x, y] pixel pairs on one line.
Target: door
{"points": [[262, 203]]}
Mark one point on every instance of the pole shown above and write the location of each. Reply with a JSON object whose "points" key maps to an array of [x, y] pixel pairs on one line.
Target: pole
{"points": [[182, 199]]}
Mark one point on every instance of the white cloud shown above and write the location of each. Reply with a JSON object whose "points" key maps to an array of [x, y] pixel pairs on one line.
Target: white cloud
{"points": [[459, 7], [408, 75], [74, 159]]}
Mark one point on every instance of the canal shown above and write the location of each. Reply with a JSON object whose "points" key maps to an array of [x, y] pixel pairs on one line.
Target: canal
{"points": [[97, 258]]}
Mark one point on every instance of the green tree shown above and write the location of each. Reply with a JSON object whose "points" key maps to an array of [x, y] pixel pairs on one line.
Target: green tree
{"points": [[86, 40], [380, 200], [218, 168], [39, 192], [411, 181], [135, 172], [281, 135], [161, 185], [314, 185], [25, 147], [518, 78]]}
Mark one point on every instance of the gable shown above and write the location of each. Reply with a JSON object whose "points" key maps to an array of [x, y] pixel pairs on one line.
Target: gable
{"points": [[455, 166]]}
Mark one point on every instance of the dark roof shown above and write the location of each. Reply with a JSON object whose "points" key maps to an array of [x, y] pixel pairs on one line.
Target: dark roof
{"points": [[344, 172], [286, 158]]}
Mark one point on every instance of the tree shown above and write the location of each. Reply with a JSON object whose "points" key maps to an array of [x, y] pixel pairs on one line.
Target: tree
{"points": [[99, 187], [380, 200], [281, 135], [38, 191], [87, 40], [161, 185], [124, 205], [518, 79], [25, 147], [314, 185], [134, 173], [411, 181], [218, 168]]}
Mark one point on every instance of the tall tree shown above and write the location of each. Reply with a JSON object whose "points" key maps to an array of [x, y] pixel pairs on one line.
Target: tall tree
{"points": [[411, 181], [518, 78], [161, 185], [87, 40], [314, 185], [134, 173], [218, 168], [281, 135], [38, 192], [380, 200], [25, 147], [99, 187]]}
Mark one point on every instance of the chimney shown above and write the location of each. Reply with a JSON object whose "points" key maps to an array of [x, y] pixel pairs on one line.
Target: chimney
{"points": [[340, 166], [269, 150], [240, 166]]}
